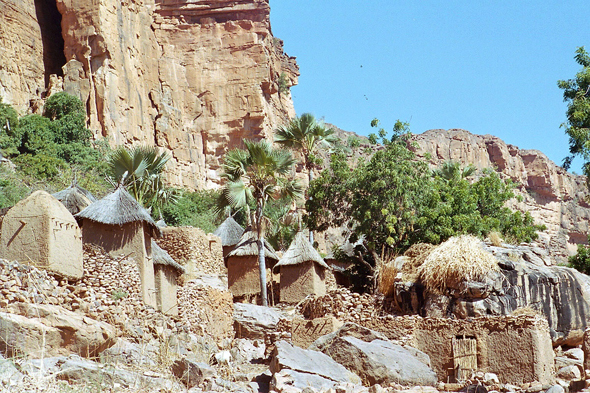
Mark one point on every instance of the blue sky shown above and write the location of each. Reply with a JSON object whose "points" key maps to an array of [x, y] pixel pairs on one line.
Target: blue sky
{"points": [[490, 67]]}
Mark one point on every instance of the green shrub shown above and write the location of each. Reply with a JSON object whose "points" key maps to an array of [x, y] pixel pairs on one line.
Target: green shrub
{"points": [[198, 209], [581, 261]]}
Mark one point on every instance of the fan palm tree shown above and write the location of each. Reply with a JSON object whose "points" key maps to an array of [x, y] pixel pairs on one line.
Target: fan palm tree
{"points": [[452, 171], [305, 134], [140, 170], [254, 176]]}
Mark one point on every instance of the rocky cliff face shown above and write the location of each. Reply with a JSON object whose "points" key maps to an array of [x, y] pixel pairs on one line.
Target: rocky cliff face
{"points": [[553, 196], [193, 77]]}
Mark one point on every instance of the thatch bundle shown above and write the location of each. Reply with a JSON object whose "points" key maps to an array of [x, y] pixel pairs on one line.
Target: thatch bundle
{"points": [[417, 254], [459, 259], [75, 198], [301, 251], [248, 247], [161, 257], [230, 232], [118, 208]]}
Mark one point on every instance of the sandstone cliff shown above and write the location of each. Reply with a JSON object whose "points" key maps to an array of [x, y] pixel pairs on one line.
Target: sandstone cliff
{"points": [[553, 196], [193, 77]]}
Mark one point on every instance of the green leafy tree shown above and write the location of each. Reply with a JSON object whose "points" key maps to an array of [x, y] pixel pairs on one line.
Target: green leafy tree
{"points": [[8, 127], [576, 92], [394, 200], [140, 169], [197, 209], [304, 134], [254, 176], [581, 261]]}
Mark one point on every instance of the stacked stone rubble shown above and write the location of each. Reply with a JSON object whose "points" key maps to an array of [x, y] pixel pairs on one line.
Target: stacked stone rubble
{"points": [[345, 305]]}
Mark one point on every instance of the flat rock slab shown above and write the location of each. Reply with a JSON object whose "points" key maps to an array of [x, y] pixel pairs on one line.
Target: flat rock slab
{"points": [[46, 330], [286, 356], [252, 321], [381, 362]]}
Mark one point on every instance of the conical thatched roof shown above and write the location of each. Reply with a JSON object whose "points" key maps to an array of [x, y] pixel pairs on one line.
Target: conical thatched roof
{"points": [[301, 251], [161, 257], [230, 232], [118, 208], [75, 198], [247, 247]]}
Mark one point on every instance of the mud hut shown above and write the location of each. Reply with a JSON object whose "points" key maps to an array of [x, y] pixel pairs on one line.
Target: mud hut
{"points": [[242, 265], [230, 233], [39, 230], [120, 225], [75, 198], [303, 271], [166, 272]]}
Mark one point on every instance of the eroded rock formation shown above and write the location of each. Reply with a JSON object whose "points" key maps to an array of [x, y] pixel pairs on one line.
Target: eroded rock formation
{"points": [[193, 77], [553, 196]]}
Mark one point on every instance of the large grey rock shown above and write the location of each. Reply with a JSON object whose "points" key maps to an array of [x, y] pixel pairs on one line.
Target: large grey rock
{"points": [[9, 374], [348, 329], [127, 352], [381, 362], [313, 364], [559, 293], [193, 373], [252, 321], [46, 330]]}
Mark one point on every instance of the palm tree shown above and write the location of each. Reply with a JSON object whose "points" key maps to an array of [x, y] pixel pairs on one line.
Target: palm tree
{"points": [[304, 134], [140, 170], [254, 176], [452, 171]]}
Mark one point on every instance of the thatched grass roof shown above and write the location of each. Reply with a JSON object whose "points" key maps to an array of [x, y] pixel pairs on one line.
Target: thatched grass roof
{"points": [[75, 198], [247, 247], [118, 208], [301, 251], [161, 257], [459, 259], [230, 232]]}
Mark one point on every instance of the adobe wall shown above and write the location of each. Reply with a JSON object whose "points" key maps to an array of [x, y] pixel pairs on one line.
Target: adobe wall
{"points": [[298, 281], [40, 231], [192, 247], [166, 289], [517, 349], [243, 277], [305, 332]]}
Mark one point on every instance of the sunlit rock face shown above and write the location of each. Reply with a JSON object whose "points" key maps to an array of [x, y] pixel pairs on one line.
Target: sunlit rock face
{"points": [[192, 77]]}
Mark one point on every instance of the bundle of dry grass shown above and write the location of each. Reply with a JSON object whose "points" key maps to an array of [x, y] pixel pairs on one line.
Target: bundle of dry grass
{"points": [[387, 277], [417, 254], [457, 260]]}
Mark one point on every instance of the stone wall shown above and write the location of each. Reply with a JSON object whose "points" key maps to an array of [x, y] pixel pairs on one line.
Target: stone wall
{"points": [[200, 253]]}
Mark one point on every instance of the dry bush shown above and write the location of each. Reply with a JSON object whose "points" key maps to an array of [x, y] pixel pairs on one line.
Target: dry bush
{"points": [[387, 275], [526, 311], [457, 260], [495, 238], [417, 254]]}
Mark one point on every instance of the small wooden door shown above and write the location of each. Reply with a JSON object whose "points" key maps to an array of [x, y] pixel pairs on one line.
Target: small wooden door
{"points": [[464, 357]]}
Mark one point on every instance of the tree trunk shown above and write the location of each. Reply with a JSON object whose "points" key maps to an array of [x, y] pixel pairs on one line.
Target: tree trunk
{"points": [[262, 267], [310, 178]]}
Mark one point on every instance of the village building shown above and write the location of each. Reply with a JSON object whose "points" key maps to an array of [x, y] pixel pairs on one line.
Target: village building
{"points": [[40, 231], [75, 198], [243, 274], [230, 233], [302, 270], [123, 228], [166, 272]]}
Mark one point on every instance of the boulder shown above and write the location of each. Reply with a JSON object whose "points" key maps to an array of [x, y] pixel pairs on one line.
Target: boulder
{"points": [[192, 373], [308, 368], [252, 321], [9, 374], [560, 294], [348, 329], [246, 351], [48, 330], [127, 352], [380, 362]]}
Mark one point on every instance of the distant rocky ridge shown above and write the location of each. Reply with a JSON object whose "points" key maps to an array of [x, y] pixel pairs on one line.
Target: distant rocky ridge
{"points": [[193, 77], [553, 196]]}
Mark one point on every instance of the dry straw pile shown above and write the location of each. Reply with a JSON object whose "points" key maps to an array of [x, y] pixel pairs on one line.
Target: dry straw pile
{"points": [[457, 260]]}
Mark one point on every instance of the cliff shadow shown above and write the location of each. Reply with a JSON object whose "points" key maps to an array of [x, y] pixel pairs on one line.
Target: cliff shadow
{"points": [[49, 20]]}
